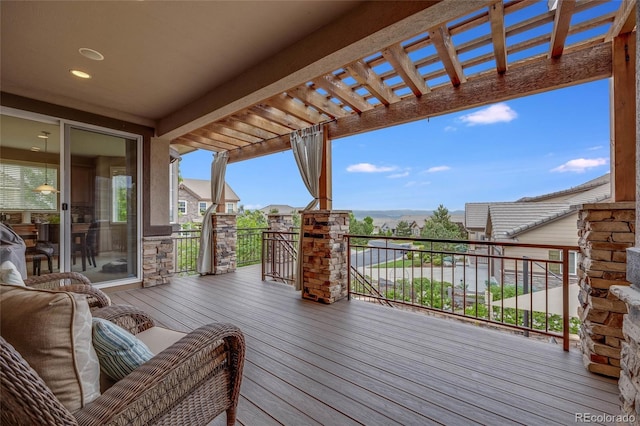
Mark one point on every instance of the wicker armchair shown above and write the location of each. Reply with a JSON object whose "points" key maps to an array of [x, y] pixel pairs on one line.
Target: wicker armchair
{"points": [[189, 383], [73, 282]]}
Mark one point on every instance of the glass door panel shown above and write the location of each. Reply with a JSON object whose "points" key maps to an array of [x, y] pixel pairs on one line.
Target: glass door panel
{"points": [[103, 205], [29, 160]]}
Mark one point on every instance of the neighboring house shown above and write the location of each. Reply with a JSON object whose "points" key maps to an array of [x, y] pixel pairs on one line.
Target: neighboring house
{"points": [[194, 198], [416, 223], [545, 219], [280, 208]]}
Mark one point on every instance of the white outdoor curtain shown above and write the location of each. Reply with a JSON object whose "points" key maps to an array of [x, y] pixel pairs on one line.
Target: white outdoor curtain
{"points": [[306, 145], [218, 168]]}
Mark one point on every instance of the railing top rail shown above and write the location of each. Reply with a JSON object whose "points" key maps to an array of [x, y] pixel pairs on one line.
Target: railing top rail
{"points": [[281, 232], [476, 242]]}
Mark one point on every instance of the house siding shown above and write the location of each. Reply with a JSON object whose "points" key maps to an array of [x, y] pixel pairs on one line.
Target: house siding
{"points": [[193, 213], [560, 232]]}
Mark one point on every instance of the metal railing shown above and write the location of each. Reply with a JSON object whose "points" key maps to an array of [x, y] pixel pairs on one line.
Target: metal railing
{"points": [[520, 286], [186, 245], [279, 254], [249, 246]]}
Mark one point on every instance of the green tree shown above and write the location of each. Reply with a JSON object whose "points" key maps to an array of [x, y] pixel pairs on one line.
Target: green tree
{"points": [[251, 219], [296, 219], [439, 226], [357, 227], [403, 229]]}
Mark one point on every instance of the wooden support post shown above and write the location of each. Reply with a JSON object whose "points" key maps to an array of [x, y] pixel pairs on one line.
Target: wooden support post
{"points": [[222, 206], [326, 193], [623, 146]]}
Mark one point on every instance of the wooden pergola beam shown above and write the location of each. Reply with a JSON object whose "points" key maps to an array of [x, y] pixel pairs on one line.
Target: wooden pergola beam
{"points": [[231, 134], [270, 113], [261, 122], [400, 61], [271, 146], [624, 20], [247, 128], [374, 84], [338, 89], [447, 52], [207, 133], [322, 103], [295, 108], [573, 68], [496, 18], [561, 24], [209, 146]]}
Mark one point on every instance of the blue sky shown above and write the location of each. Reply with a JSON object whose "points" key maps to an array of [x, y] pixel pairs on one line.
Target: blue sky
{"points": [[501, 152]]}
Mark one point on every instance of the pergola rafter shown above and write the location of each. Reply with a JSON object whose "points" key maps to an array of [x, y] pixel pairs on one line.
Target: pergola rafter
{"points": [[339, 89]]}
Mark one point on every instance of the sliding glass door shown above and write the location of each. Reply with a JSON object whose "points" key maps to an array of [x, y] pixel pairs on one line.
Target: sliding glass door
{"points": [[102, 231]]}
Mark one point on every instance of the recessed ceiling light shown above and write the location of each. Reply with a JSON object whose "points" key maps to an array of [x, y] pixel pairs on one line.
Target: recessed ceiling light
{"points": [[91, 54], [80, 74]]}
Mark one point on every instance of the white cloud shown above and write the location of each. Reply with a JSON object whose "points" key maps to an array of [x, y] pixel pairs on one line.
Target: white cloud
{"points": [[498, 113], [579, 165], [398, 175], [416, 183], [450, 129], [594, 148], [438, 169], [369, 168]]}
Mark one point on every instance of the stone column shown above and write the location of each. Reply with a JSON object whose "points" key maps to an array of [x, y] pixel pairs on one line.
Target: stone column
{"points": [[225, 237], [280, 222], [605, 231], [629, 383], [157, 261], [324, 255]]}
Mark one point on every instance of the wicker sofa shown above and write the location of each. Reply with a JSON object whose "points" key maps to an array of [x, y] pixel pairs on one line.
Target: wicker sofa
{"points": [[189, 383]]}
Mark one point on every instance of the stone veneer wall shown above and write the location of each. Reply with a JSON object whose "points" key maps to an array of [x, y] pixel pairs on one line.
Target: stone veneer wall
{"points": [[629, 383], [280, 222], [324, 255], [605, 231], [225, 238], [157, 261]]}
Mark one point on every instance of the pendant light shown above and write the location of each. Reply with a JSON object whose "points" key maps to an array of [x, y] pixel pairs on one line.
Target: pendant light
{"points": [[45, 188]]}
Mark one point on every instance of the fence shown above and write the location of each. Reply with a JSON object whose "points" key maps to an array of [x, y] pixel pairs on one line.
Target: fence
{"points": [[279, 254], [249, 246], [186, 245], [521, 286]]}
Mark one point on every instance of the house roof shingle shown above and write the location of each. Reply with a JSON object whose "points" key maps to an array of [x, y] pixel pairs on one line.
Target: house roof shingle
{"points": [[508, 219], [281, 208], [475, 215], [201, 189], [573, 192]]}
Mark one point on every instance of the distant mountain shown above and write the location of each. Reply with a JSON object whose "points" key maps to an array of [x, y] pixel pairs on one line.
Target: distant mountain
{"points": [[396, 214]]}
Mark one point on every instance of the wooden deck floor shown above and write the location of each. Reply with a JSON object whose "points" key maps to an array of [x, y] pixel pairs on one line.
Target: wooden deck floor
{"points": [[359, 363]]}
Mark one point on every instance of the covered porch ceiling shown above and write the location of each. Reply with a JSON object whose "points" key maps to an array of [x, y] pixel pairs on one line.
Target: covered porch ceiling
{"points": [[240, 76]]}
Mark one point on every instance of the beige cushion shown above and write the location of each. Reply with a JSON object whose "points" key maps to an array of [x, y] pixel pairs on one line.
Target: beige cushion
{"points": [[158, 339], [52, 332], [9, 274]]}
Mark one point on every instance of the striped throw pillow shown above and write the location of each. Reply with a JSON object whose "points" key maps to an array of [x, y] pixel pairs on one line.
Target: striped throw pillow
{"points": [[119, 351]]}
